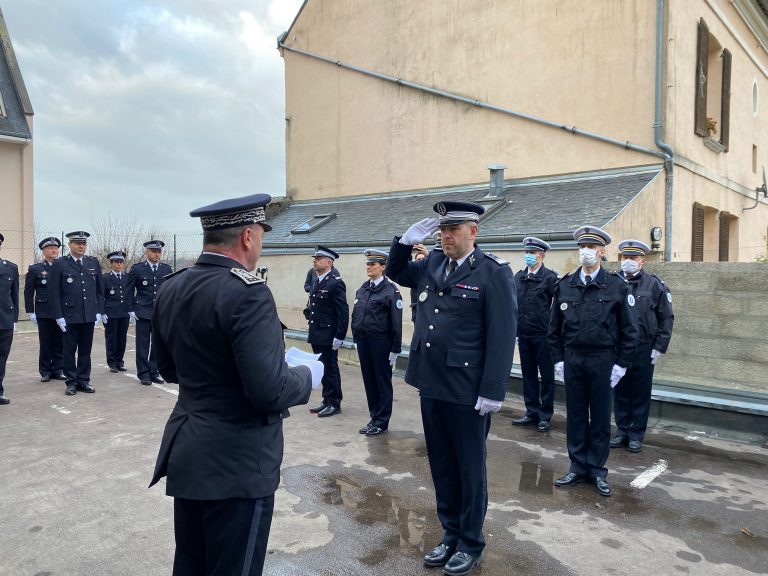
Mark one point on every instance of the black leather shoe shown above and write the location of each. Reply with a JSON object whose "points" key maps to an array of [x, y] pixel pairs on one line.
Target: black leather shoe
{"points": [[329, 411], [59, 377], [146, 383], [375, 431], [570, 479], [4, 400], [439, 556], [618, 441], [158, 380], [122, 369], [318, 409], [45, 378], [86, 388], [460, 563], [602, 487], [543, 426], [71, 390], [113, 370], [635, 446], [524, 421], [364, 429]]}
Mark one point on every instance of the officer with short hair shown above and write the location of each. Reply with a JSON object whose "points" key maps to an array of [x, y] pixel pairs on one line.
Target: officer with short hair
{"points": [[632, 397], [460, 359], [145, 279], [535, 287], [76, 303], [117, 310], [328, 315], [592, 337], [377, 329], [38, 307], [9, 313]]}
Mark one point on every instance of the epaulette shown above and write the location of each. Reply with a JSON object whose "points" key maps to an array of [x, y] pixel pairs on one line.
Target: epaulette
{"points": [[172, 274], [246, 276], [563, 277], [499, 261], [662, 281]]}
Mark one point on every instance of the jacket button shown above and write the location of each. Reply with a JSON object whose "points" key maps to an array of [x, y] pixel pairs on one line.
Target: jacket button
{"points": [[429, 345], [431, 327], [439, 293], [463, 295], [466, 363], [437, 311], [311, 321]]}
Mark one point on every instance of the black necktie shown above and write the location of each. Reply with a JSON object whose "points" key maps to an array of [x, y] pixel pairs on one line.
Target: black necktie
{"points": [[451, 267], [587, 279], [373, 285], [154, 268], [79, 263]]}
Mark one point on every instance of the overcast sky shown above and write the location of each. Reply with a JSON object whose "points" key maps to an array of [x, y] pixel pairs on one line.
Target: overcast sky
{"points": [[151, 108]]}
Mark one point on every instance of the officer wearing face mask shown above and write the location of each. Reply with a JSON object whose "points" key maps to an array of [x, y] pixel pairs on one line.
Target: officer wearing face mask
{"points": [[592, 337], [535, 286], [632, 397]]}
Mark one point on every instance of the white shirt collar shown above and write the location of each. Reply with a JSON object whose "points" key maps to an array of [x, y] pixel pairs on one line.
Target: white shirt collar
{"points": [[583, 276], [320, 278], [378, 281]]}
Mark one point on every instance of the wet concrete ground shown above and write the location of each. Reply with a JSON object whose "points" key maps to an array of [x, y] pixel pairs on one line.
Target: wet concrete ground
{"points": [[73, 496]]}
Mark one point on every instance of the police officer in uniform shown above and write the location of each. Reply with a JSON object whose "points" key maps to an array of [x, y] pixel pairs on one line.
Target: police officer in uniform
{"points": [[38, 307], [75, 293], [460, 359], [146, 278], [632, 397], [216, 333], [117, 310], [592, 337], [535, 287], [377, 329], [9, 313], [328, 315]]}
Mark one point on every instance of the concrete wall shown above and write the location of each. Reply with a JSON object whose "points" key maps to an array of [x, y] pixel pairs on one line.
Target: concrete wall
{"points": [[16, 200]]}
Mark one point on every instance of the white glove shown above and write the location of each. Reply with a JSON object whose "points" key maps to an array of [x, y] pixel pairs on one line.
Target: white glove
{"points": [[317, 372], [14, 326], [560, 371], [132, 318], [420, 231], [104, 318], [486, 406], [393, 358], [336, 344], [617, 373], [98, 319], [33, 317], [62, 324], [655, 355]]}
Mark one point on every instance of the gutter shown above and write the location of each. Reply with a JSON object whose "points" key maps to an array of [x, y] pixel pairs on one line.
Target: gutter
{"points": [[15, 139]]}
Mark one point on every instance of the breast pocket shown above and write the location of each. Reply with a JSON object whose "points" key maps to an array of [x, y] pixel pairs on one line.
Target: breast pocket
{"points": [[607, 319], [466, 302]]}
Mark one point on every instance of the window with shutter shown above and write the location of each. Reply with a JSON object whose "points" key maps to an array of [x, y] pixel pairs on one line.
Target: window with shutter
{"points": [[725, 100], [702, 56], [725, 225], [697, 242]]}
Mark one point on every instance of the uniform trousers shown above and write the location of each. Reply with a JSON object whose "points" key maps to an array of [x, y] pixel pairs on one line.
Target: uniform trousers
{"points": [[331, 376], [146, 367], [535, 358], [221, 537], [6, 339], [377, 377], [455, 435], [588, 402], [78, 341], [115, 335], [632, 396], [51, 358]]}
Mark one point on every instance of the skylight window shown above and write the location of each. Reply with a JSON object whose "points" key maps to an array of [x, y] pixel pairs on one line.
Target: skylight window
{"points": [[313, 223]]}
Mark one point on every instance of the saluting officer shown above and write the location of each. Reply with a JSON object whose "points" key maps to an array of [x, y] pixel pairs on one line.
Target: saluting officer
{"points": [[592, 338], [216, 333], [377, 329], [38, 307], [9, 313], [632, 397], [117, 310], [535, 287], [76, 303], [460, 358], [328, 314], [146, 278]]}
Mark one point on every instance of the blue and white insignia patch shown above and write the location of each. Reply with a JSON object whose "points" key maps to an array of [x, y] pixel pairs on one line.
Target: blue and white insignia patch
{"points": [[630, 300], [246, 277], [399, 304], [669, 297]]}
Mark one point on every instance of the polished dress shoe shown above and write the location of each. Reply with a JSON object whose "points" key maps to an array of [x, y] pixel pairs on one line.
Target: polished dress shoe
{"points": [[618, 441], [158, 380], [318, 409], [45, 378], [86, 388], [460, 563], [59, 377], [602, 487], [439, 556], [122, 369], [146, 383], [364, 429], [113, 370], [375, 431], [71, 390], [4, 400], [524, 421], [635, 446], [329, 411], [570, 479], [543, 426]]}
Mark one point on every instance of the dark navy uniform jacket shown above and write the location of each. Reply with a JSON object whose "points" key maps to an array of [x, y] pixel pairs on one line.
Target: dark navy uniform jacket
{"points": [[36, 281], [146, 284], [118, 295], [378, 313], [601, 316], [74, 294], [654, 309], [328, 309], [464, 336], [534, 301], [9, 294], [216, 333]]}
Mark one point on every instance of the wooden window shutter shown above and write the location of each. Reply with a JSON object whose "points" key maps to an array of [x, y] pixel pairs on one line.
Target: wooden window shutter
{"points": [[697, 243], [725, 224], [725, 100], [702, 55]]}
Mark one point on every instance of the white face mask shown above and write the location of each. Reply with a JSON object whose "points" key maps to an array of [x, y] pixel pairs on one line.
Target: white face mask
{"points": [[630, 266], [588, 256]]}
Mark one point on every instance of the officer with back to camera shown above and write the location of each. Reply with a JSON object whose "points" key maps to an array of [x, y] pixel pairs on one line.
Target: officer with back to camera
{"points": [[9, 313], [117, 310]]}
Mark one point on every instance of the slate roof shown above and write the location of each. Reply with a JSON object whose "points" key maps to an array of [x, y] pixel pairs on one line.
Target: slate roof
{"points": [[549, 207], [12, 89]]}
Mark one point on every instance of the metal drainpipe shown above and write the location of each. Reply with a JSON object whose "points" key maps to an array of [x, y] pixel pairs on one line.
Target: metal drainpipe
{"points": [[669, 154]]}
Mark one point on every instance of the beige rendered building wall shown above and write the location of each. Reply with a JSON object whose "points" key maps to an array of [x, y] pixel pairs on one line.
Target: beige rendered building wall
{"points": [[16, 203]]}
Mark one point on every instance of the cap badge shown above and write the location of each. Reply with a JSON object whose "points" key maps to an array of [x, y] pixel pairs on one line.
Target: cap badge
{"points": [[441, 209]]}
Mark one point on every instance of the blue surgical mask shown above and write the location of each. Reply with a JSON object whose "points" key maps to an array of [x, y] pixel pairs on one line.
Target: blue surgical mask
{"points": [[530, 260]]}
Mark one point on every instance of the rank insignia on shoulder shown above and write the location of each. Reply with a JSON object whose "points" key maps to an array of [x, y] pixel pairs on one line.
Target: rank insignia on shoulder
{"points": [[172, 274], [246, 276], [499, 261]]}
